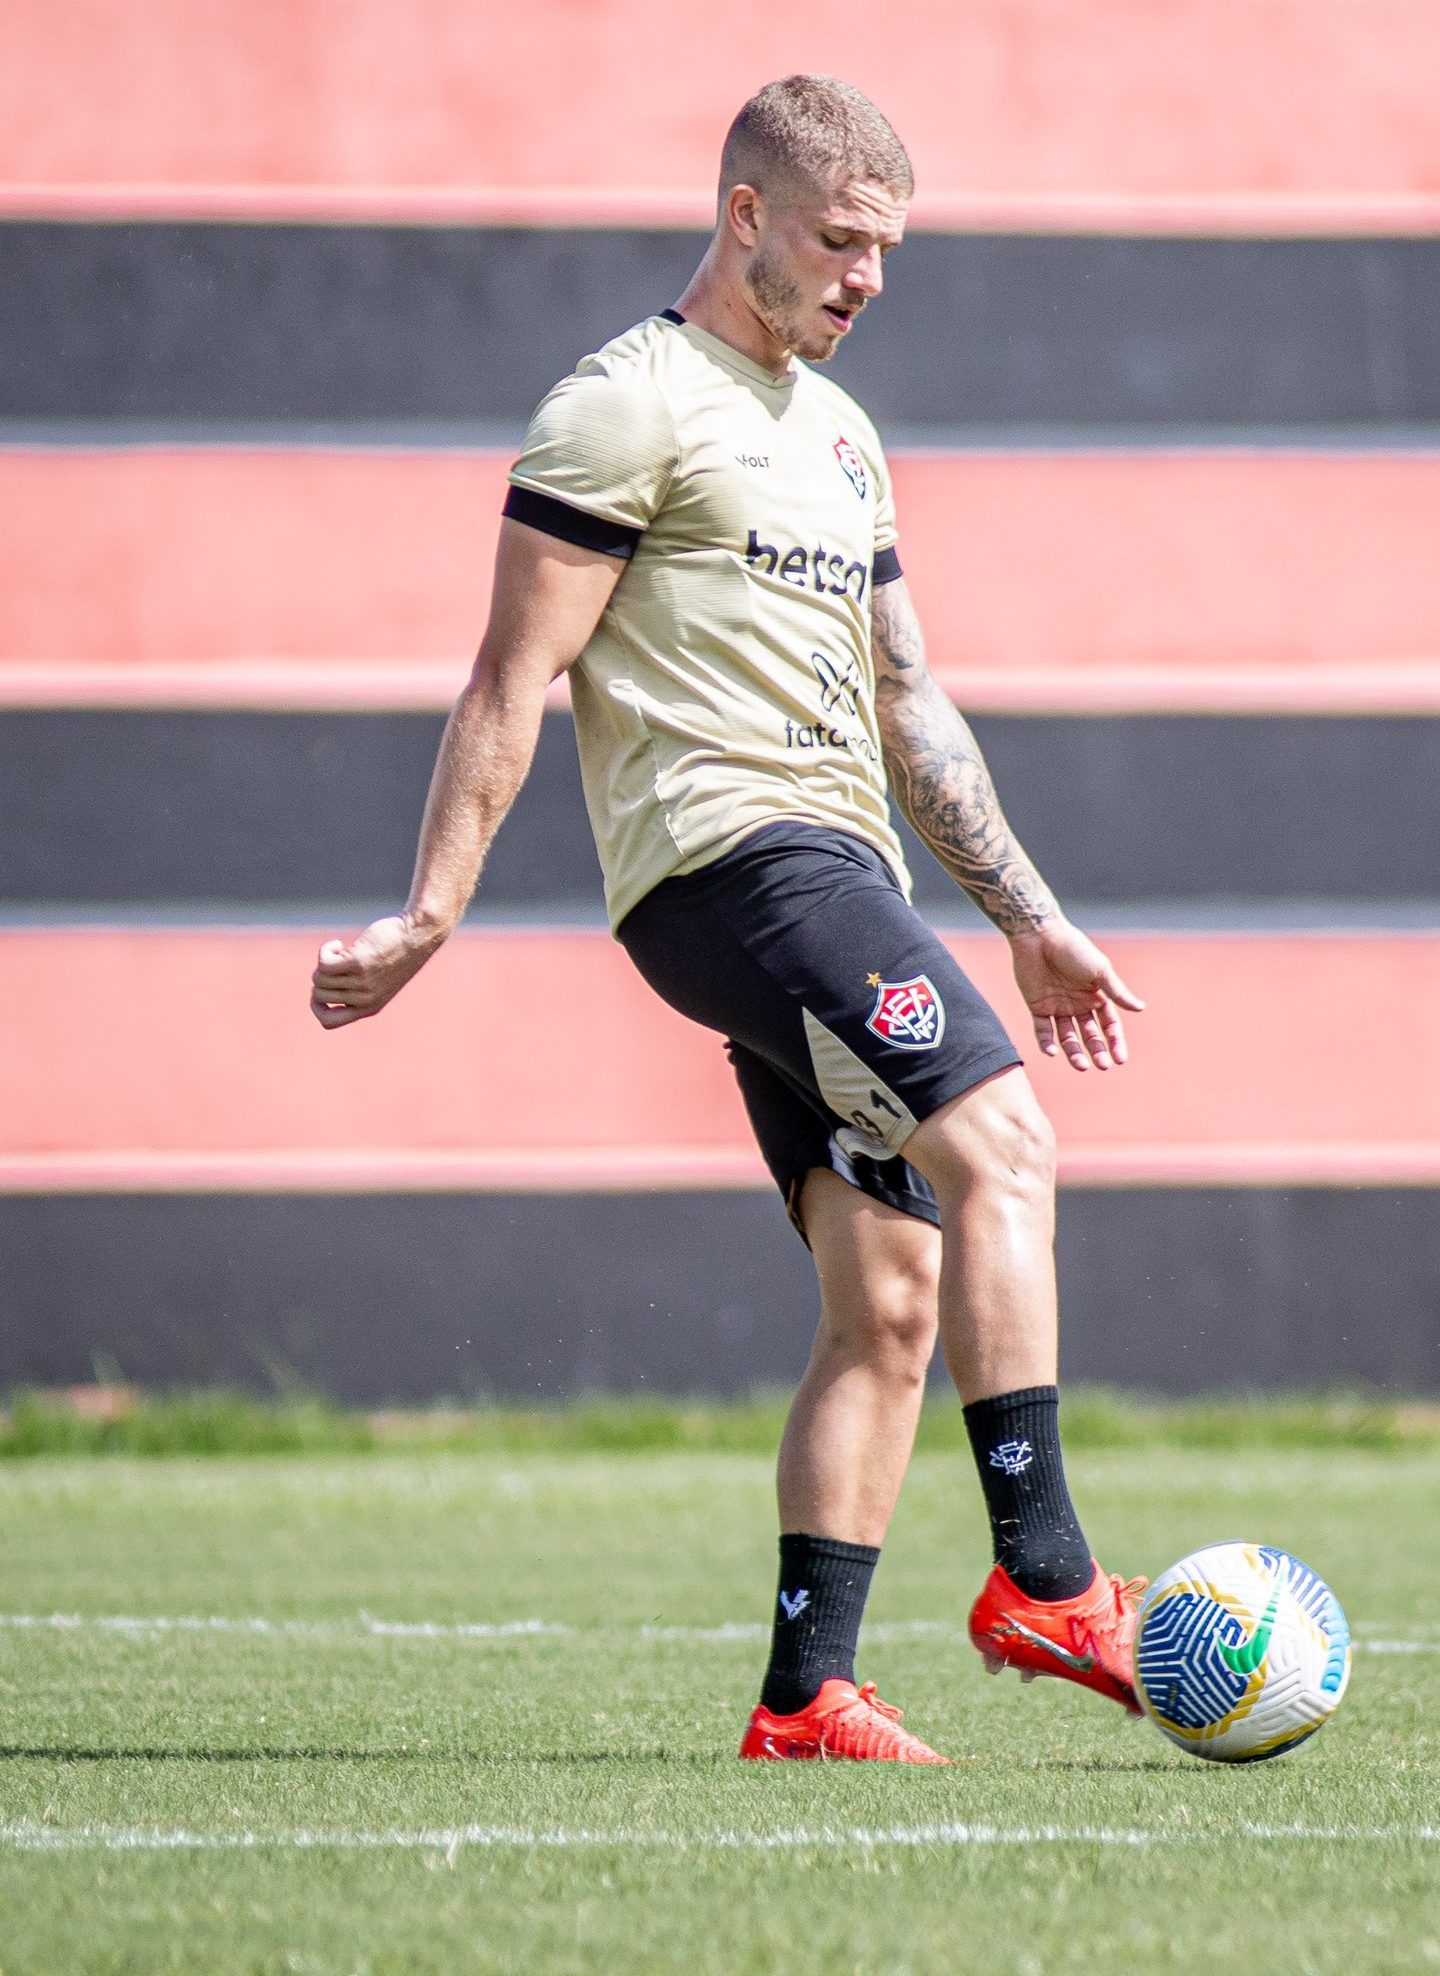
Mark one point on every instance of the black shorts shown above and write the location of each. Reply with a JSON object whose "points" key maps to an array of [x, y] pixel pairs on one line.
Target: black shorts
{"points": [[847, 1019]]}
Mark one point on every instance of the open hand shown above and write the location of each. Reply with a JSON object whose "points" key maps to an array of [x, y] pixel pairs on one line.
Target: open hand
{"points": [[1074, 995], [356, 979]]}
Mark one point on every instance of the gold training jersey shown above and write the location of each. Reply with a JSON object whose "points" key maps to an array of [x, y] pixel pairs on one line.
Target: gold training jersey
{"points": [[729, 682]]}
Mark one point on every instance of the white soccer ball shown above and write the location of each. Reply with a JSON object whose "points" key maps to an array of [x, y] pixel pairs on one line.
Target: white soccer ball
{"points": [[1241, 1652]]}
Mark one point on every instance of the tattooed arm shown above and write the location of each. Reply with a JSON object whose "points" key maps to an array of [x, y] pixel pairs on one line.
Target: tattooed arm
{"points": [[940, 779], [944, 788]]}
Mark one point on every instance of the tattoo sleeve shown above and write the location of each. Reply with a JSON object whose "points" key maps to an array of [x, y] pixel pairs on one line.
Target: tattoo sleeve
{"points": [[939, 776]]}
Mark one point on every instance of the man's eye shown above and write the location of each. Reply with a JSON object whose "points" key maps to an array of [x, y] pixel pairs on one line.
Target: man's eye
{"points": [[831, 241]]}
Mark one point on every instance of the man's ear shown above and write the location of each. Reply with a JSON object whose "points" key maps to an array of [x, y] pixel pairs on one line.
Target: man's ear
{"points": [[745, 213]]}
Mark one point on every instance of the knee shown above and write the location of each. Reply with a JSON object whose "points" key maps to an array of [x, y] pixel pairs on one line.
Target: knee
{"points": [[1024, 1147], [896, 1329], [1006, 1146]]}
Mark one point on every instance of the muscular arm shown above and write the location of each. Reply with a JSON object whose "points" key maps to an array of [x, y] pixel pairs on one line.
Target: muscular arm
{"points": [[547, 599], [940, 778], [942, 784]]}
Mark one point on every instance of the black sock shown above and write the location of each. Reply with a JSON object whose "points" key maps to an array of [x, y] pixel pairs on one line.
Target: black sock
{"points": [[823, 1588], [1036, 1533]]}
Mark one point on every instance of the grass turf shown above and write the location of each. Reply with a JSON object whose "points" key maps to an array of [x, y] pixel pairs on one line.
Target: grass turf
{"points": [[569, 1799], [120, 1420]]}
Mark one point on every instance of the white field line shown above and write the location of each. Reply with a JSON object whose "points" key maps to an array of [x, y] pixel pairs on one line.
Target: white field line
{"points": [[364, 1627], [26, 1836], [154, 1625]]}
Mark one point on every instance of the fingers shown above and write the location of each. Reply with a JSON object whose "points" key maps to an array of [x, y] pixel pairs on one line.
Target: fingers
{"points": [[336, 970], [1114, 1030], [1105, 1035], [335, 1015], [336, 958], [1117, 991], [1080, 1039], [335, 1001], [1067, 1030], [1116, 996], [336, 987], [1076, 999], [357, 978], [1093, 1039]]}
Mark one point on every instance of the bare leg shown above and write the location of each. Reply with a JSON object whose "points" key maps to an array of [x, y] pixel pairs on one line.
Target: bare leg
{"points": [[852, 1424], [990, 1157]]}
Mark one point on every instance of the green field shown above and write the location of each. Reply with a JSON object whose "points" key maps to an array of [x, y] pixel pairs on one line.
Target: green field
{"points": [[222, 1760]]}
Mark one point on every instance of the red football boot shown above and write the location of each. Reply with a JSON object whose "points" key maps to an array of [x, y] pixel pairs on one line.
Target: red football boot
{"points": [[1089, 1639], [842, 1721]]}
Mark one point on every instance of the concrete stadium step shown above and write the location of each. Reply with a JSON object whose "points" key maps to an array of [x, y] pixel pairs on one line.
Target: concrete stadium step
{"points": [[384, 1297], [526, 1059], [133, 813], [379, 1298], [1079, 582], [986, 339], [1211, 112]]}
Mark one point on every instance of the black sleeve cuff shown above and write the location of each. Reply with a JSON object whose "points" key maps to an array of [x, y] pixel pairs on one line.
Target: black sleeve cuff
{"points": [[558, 518], [885, 568]]}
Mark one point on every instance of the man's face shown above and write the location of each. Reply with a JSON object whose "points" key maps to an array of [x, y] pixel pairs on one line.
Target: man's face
{"points": [[818, 262]]}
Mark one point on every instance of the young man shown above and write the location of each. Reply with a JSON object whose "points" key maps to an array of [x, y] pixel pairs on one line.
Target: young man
{"points": [[700, 530]]}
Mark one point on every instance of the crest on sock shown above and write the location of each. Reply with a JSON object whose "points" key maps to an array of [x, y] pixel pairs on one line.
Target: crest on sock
{"points": [[1013, 1456]]}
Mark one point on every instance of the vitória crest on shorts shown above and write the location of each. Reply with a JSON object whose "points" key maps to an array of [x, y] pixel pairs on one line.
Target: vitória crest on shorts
{"points": [[908, 1014]]}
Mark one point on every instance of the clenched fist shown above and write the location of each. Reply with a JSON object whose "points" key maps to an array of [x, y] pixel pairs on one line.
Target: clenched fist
{"points": [[355, 980]]}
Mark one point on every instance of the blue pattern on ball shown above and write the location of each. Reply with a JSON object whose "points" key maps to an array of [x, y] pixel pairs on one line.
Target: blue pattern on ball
{"points": [[1187, 1682], [1324, 1608]]}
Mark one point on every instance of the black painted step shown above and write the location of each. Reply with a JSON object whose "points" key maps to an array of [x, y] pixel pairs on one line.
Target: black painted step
{"points": [[277, 323]]}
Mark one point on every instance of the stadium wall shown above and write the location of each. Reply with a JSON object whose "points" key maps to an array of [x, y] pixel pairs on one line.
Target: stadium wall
{"points": [[1233, 818], [1265, 112], [982, 335], [1157, 375], [380, 1298]]}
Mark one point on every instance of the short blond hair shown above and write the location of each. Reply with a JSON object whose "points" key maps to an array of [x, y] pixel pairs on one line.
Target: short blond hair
{"points": [[812, 131]]}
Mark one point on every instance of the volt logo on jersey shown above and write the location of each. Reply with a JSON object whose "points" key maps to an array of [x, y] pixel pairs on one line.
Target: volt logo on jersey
{"points": [[908, 1014], [854, 466]]}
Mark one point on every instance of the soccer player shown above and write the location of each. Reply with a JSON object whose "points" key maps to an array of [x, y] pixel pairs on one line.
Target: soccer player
{"points": [[700, 531]]}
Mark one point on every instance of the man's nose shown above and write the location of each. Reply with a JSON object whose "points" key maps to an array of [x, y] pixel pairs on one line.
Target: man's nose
{"points": [[866, 274]]}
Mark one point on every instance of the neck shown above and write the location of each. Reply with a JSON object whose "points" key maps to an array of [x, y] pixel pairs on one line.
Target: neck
{"points": [[719, 303]]}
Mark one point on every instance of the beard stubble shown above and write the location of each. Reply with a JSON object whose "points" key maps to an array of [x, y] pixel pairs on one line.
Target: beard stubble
{"points": [[781, 305]]}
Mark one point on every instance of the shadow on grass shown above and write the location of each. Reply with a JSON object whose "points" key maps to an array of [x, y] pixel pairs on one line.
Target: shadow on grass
{"points": [[1126, 1766], [723, 1759], [481, 1759]]}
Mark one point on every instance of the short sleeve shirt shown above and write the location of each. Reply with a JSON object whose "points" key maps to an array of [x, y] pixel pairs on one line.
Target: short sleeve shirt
{"points": [[729, 683]]}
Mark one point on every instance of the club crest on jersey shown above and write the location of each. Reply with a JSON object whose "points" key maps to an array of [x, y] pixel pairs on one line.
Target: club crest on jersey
{"points": [[854, 466], [839, 684], [908, 1014]]}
